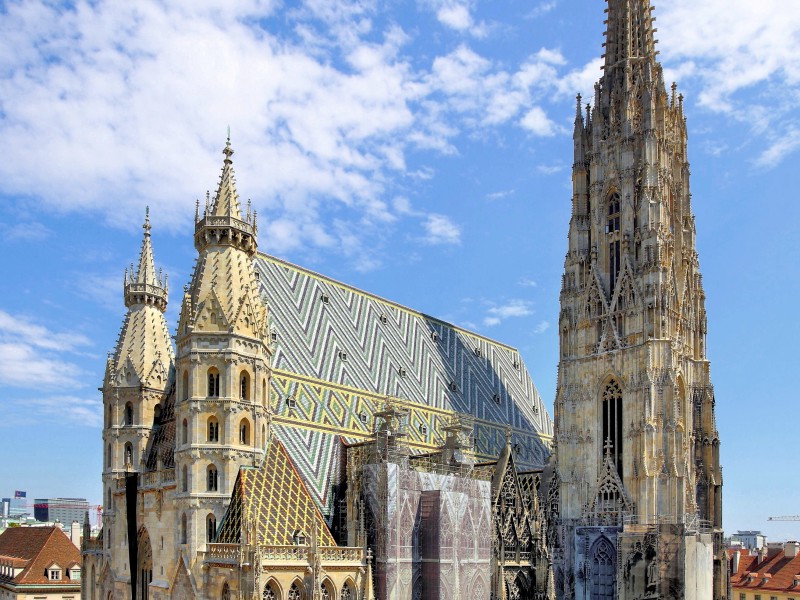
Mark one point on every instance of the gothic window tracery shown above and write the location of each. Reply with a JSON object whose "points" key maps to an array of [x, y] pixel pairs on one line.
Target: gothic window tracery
{"points": [[295, 593], [602, 565], [346, 592], [269, 592]]}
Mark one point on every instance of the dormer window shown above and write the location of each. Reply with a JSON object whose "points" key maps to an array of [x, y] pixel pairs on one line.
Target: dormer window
{"points": [[54, 572], [75, 574], [299, 538]]}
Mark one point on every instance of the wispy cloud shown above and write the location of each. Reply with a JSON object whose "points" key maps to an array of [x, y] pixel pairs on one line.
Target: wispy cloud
{"points": [[526, 282], [32, 356], [25, 232], [457, 15], [75, 410], [741, 59], [511, 309], [158, 94], [500, 195], [439, 229], [541, 327]]}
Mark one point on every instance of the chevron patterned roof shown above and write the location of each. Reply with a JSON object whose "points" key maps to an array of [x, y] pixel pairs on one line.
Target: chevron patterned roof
{"points": [[338, 351], [275, 500]]}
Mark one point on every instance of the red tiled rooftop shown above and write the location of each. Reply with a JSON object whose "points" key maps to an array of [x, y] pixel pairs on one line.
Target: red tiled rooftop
{"points": [[776, 572], [39, 548]]}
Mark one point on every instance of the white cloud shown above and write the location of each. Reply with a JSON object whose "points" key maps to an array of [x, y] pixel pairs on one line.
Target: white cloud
{"points": [[25, 232], [512, 309], [33, 357], [500, 195], [549, 169], [439, 229], [537, 122], [738, 57], [74, 409], [541, 327], [526, 282], [457, 15]]}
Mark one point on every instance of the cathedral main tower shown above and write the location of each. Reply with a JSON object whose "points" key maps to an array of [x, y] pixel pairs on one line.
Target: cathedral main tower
{"points": [[637, 482]]}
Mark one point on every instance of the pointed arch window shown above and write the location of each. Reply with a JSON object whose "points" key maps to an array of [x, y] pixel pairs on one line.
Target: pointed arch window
{"points": [[185, 478], [612, 422], [226, 592], [603, 565], [612, 229], [269, 592], [185, 432], [213, 383], [128, 413], [185, 386], [324, 591], [295, 593], [347, 592]]}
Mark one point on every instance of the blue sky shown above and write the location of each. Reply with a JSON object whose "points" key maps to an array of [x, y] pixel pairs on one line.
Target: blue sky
{"points": [[419, 149]]}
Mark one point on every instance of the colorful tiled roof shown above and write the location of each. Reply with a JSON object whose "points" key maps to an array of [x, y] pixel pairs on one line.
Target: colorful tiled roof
{"points": [[339, 351], [775, 573], [35, 549], [274, 499]]}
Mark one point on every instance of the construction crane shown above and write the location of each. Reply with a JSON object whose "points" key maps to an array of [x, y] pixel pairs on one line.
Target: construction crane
{"points": [[785, 518]]}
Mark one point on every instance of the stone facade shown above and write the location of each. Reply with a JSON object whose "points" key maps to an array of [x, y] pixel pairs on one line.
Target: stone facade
{"points": [[637, 475]]}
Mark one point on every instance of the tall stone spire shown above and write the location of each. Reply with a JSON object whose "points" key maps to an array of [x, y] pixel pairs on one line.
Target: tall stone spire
{"points": [[143, 353], [634, 394], [629, 32], [223, 361]]}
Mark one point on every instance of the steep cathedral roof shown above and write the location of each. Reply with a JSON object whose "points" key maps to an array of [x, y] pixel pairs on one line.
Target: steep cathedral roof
{"points": [[274, 500], [338, 352]]}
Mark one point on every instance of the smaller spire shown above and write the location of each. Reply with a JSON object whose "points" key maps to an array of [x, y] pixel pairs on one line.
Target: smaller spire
{"points": [[222, 222], [144, 285]]}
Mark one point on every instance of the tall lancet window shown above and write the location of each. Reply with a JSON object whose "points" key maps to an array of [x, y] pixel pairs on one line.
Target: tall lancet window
{"points": [[613, 241], [603, 566], [213, 383], [612, 422]]}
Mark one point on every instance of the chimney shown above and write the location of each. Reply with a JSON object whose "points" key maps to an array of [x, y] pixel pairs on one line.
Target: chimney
{"points": [[735, 562], [762, 554], [790, 549], [75, 534]]}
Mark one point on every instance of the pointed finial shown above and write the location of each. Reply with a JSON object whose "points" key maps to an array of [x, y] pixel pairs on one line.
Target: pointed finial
{"points": [[578, 113], [146, 225], [674, 87], [196, 210], [208, 201], [508, 435], [608, 447], [228, 151]]}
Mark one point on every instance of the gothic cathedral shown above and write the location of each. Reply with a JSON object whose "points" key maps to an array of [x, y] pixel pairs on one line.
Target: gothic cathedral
{"points": [[637, 481], [307, 440]]}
